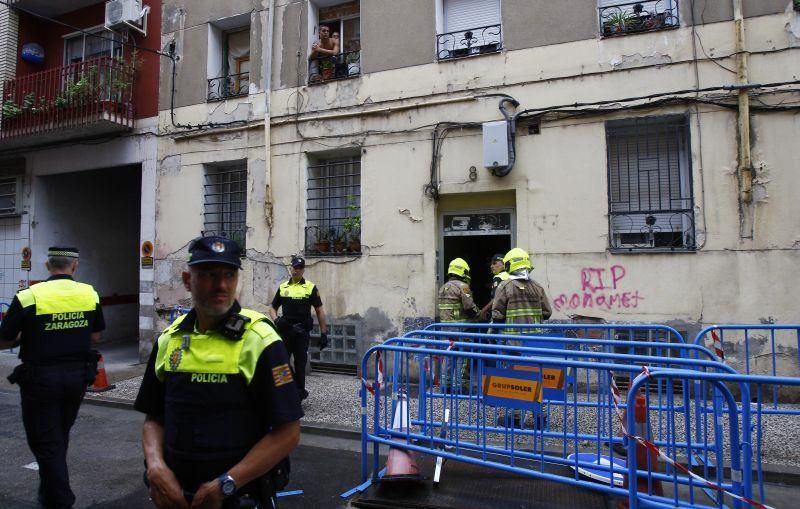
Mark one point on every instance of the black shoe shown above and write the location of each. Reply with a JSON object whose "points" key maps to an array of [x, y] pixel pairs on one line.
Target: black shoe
{"points": [[303, 395]]}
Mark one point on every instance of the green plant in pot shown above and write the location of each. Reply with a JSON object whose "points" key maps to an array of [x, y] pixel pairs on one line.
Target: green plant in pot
{"points": [[10, 109], [618, 22], [322, 243], [351, 226]]}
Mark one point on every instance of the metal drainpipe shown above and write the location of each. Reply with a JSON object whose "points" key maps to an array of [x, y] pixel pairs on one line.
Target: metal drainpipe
{"points": [[267, 114], [745, 161]]}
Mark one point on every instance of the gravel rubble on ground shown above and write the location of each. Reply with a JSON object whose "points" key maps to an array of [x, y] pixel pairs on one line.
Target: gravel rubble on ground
{"points": [[334, 400]]}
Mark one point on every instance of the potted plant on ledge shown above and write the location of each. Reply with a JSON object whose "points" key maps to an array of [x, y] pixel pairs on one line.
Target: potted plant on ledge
{"points": [[322, 242], [351, 226]]}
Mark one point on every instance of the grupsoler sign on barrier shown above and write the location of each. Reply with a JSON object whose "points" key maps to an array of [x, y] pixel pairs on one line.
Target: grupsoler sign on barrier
{"points": [[512, 388]]}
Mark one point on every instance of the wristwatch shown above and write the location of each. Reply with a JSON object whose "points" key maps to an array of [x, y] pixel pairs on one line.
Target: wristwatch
{"points": [[227, 486]]}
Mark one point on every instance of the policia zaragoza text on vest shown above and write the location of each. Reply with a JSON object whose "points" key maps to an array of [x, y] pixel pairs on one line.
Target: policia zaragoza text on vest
{"points": [[55, 324], [222, 407]]}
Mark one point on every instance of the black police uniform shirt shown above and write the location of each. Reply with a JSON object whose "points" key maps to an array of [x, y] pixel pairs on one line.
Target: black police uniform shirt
{"points": [[218, 419], [51, 338], [297, 309]]}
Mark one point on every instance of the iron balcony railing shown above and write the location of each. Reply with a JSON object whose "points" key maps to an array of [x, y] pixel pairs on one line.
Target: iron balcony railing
{"points": [[637, 17], [75, 95], [467, 43], [337, 67], [225, 87], [332, 240]]}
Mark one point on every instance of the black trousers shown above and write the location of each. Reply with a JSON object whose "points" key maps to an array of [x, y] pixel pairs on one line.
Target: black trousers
{"points": [[51, 396], [297, 346]]}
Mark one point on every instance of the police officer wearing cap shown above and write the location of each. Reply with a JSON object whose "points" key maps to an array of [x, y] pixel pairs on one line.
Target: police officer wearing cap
{"points": [[222, 408], [54, 323], [297, 296]]}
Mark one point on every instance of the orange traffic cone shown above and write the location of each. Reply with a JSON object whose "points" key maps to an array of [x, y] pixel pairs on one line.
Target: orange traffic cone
{"points": [[401, 464], [643, 455], [100, 379]]}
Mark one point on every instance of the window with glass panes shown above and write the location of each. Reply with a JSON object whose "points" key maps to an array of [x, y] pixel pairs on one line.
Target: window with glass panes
{"points": [[84, 46]]}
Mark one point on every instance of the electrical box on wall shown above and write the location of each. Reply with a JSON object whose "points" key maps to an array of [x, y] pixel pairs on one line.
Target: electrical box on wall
{"points": [[495, 144]]}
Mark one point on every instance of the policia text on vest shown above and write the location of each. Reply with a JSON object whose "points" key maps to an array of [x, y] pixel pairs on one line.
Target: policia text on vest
{"points": [[222, 410], [56, 322]]}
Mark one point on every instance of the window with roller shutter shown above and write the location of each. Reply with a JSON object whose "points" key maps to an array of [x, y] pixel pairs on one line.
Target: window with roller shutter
{"points": [[468, 28]]}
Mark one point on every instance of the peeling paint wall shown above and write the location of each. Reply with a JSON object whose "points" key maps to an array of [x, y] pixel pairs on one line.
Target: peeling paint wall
{"points": [[559, 184]]}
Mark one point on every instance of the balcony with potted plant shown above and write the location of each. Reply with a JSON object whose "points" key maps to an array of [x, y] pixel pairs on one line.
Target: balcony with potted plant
{"points": [[638, 17], [80, 100]]}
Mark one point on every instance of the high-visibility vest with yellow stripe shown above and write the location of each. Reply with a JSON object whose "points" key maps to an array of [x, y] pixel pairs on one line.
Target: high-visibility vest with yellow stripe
{"points": [[209, 414], [63, 320]]}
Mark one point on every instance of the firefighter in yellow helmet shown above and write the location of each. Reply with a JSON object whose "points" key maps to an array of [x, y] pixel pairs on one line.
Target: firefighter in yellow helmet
{"points": [[455, 301], [519, 299], [455, 304]]}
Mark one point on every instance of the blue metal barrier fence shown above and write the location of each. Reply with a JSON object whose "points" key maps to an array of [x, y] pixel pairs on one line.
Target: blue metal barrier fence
{"points": [[573, 415]]}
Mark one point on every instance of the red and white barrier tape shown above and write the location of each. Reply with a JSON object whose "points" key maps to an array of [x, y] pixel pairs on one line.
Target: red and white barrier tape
{"points": [[717, 344], [654, 448], [378, 378]]}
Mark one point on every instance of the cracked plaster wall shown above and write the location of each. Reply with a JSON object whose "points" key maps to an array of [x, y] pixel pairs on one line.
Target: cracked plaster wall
{"points": [[559, 182], [561, 167]]}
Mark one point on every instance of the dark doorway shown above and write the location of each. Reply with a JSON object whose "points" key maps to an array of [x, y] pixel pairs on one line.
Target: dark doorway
{"points": [[477, 250]]}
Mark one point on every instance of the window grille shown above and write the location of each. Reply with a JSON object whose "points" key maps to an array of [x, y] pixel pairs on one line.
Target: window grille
{"points": [[333, 224], [226, 203], [9, 194], [651, 205]]}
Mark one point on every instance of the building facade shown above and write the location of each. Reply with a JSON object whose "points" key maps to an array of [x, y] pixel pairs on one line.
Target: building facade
{"points": [[641, 151], [78, 147]]}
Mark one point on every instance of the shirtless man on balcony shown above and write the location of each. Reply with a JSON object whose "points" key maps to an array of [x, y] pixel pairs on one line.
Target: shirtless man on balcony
{"points": [[326, 46]]}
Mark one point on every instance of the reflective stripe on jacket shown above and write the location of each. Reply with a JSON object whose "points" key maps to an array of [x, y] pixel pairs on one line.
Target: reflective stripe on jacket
{"points": [[520, 301], [455, 302]]}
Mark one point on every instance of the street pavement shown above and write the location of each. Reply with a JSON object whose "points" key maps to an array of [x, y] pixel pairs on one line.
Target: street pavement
{"points": [[105, 462]]}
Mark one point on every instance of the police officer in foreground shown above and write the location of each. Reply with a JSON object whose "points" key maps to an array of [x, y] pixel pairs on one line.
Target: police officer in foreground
{"points": [[222, 408], [55, 324], [297, 296]]}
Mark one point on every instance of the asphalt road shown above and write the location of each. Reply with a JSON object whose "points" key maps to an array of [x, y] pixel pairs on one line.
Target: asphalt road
{"points": [[105, 462]]}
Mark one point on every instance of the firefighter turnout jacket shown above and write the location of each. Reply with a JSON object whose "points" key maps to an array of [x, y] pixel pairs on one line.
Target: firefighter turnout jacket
{"points": [[455, 301], [520, 301]]}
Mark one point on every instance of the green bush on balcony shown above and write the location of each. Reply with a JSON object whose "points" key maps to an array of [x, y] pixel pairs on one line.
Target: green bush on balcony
{"points": [[10, 109]]}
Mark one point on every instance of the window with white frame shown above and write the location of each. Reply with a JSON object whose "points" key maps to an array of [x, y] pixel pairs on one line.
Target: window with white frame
{"points": [[334, 26], [468, 27], [619, 17], [229, 58], [651, 205], [225, 201], [84, 46], [333, 206]]}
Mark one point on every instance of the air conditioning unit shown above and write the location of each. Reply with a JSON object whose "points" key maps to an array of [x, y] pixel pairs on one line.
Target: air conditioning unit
{"points": [[121, 12]]}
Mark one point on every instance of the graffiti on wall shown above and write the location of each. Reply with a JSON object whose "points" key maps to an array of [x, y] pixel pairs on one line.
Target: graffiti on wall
{"points": [[601, 288]]}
